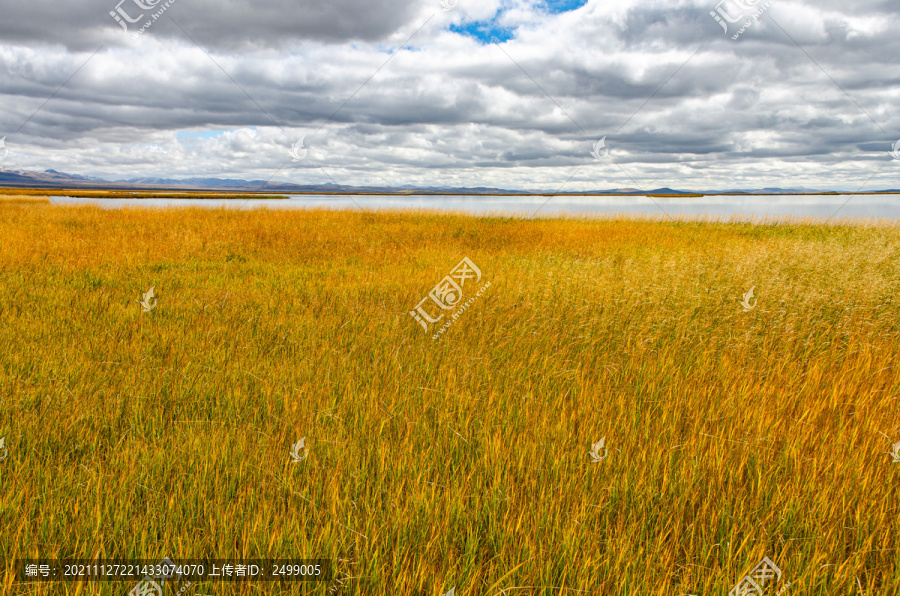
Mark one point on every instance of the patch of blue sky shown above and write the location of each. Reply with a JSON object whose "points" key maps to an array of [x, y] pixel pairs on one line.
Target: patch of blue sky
{"points": [[485, 31], [391, 50], [560, 6], [187, 136], [383, 49], [490, 31]]}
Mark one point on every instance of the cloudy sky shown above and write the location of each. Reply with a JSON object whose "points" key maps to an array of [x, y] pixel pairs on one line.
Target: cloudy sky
{"points": [[505, 93]]}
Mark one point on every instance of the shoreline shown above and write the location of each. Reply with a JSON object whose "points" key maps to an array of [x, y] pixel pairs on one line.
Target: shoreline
{"points": [[250, 195]]}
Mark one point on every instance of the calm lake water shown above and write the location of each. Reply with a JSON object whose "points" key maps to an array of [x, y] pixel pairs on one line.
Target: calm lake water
{"points": [[719, 206]]}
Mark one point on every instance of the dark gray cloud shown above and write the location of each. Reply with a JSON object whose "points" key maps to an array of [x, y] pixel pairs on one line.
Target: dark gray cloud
{"points": [[223, 25]]}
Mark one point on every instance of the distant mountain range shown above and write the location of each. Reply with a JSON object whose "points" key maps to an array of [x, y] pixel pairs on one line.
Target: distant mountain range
{"points": [[51, 179]]}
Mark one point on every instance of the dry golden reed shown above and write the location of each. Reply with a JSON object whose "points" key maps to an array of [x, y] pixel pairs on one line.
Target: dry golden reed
{"points": [[463, 462]]}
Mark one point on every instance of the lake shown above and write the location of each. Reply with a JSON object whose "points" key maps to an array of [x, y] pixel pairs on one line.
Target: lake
{"points": [[717, 206]]}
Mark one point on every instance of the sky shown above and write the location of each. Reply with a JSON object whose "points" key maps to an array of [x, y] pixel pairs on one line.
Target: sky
{"points": [[541, 95]]}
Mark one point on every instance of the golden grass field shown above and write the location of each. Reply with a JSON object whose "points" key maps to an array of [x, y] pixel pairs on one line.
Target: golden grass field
{"points": [[462, 462]]}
